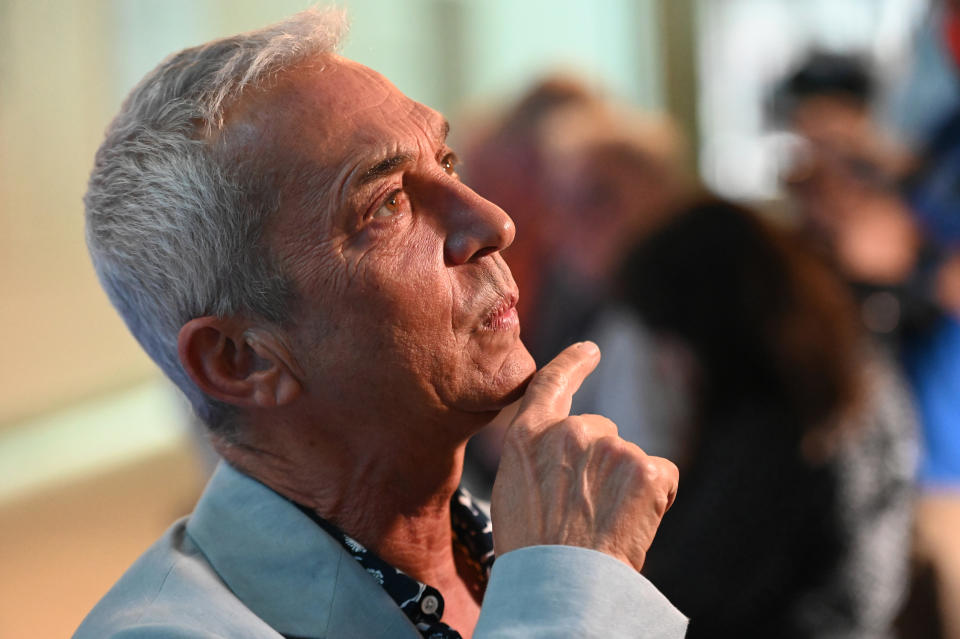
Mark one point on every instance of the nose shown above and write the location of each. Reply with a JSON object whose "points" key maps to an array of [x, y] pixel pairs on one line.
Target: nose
{"points": [[476, 227]]}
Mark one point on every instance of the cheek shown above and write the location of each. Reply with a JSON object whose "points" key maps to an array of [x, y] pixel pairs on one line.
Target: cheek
{"points": [[405, 283]]}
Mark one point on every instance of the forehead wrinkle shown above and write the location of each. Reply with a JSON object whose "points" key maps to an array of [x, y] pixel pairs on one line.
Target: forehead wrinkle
{"points": [[435, 126], [430, 122], [323, 186]]}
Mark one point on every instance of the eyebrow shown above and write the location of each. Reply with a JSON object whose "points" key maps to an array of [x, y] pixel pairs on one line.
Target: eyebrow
{"points": [[384, 167], [389, 165]]}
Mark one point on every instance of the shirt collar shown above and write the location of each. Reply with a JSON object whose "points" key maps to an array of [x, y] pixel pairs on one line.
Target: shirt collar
{"points": [[421, 603]]}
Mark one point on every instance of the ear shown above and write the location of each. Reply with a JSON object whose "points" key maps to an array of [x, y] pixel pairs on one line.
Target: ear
{"points": [[238, 364]]}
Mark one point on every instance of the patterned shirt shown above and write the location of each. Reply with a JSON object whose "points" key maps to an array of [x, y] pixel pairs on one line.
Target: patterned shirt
{"points": [[420, 602]]}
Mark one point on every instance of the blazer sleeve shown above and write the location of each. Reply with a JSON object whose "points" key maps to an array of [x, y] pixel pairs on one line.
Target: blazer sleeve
{"points": [[565, 591]]}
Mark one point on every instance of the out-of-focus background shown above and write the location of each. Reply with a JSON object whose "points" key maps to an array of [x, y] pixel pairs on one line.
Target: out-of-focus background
{"points": [[830, 120]]}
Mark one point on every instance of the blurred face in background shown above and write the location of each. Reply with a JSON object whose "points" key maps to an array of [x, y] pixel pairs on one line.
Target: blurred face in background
{"points": [[843, 181], [614, 175], [605, 199]]}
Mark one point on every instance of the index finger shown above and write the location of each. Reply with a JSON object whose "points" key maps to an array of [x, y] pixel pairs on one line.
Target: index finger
{"points": [[550, 393]]}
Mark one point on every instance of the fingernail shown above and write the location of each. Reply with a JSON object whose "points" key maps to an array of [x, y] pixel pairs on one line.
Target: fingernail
{"points": [[589, 347]]}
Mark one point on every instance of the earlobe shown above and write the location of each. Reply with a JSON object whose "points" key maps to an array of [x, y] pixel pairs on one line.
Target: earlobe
{"points": [[237, 365]]}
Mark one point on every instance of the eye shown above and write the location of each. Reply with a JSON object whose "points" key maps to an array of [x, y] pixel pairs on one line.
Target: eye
{"points": [[394, 204], [449, 163]]}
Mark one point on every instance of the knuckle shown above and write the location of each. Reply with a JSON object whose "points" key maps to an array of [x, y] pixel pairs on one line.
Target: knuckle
{"points": [[662, 477], [601, 424], [573, 428], [610, 445], [664, 469], [615, 453], [651, 471], [670, 470], [570, 436], [661, 502], [643, 471]]}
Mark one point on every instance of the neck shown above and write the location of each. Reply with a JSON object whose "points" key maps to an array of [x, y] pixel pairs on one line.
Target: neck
{"points": [[391, 495]]}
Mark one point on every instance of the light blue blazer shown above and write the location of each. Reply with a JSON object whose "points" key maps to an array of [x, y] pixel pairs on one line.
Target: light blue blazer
{"points": [[247, 564]]}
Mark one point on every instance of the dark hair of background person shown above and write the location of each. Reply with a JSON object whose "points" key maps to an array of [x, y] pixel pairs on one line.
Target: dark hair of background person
{"points": [[772, 331], [821, 73], [765, 319]]}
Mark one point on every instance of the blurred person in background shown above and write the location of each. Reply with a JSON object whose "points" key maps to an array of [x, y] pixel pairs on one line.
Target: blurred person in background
{"points": [[799, 460], [843, 188], [618, 174], [614, 173], [897, 248], [601, 174]]}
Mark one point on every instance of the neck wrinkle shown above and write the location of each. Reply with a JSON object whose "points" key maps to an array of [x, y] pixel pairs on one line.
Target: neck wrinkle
{"points": [[393, 499]]}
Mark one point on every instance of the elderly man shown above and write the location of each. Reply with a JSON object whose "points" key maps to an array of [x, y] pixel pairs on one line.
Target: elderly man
{"points": [[286, 235]]}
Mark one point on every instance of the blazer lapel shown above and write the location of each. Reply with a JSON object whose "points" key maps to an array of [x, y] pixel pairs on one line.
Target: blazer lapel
{"points": [[285, 568]]}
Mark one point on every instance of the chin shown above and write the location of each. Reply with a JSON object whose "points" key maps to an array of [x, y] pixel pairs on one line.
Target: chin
{"points": [[507, 383]]}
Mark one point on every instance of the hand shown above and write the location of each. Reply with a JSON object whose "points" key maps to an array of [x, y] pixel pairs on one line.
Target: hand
{"points": [[570, 480]]}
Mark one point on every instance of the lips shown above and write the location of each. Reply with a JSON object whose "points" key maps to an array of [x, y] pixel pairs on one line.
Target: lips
{"points": [[503, 316]]}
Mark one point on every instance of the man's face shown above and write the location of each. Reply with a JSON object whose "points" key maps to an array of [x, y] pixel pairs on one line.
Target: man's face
{"points": [[405, 306]]}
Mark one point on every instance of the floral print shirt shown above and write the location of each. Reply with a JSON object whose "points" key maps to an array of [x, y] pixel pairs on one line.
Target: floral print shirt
{"points": [[420, 602]]}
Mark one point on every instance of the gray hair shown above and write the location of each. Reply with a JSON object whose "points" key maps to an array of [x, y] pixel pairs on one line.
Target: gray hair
{"points": [[173, 227]]}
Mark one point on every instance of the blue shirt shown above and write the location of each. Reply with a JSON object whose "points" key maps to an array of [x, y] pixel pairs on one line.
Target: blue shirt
{"points": [[933, 367]]}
